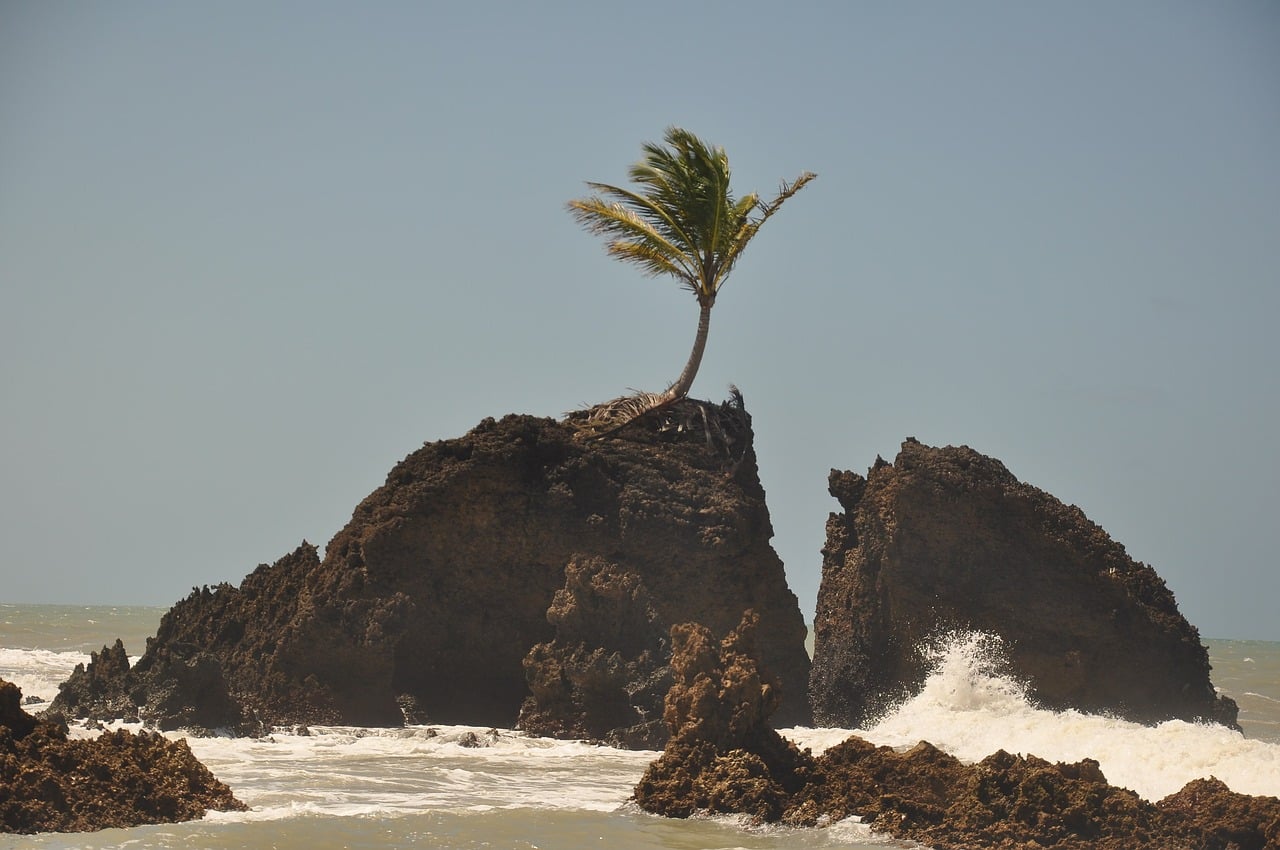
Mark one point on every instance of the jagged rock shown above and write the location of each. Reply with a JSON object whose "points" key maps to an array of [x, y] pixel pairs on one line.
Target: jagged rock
{"points": [[1008, 801], [49, 783], [947, 539], [437, 589], [605, 675], [724, 759], [1207, 814], [723, 756], [178, 688]]}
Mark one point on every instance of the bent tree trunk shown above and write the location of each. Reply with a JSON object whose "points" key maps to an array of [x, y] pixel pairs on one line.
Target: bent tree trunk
{"points": [[684, 383], [604, 419]]}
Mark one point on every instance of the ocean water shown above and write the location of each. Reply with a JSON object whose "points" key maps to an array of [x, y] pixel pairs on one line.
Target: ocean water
{"points": [[424, 787]]}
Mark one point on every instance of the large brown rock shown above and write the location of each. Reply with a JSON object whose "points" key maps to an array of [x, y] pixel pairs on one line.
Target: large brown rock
{"points": [[49, 783], [426, 604], [947, 539]]}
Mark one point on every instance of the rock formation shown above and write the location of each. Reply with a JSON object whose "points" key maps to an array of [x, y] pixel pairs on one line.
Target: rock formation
{"points": [[723, 756], [605, 675], [947, 539], [427, 603], [49, 783], [724, 759]]}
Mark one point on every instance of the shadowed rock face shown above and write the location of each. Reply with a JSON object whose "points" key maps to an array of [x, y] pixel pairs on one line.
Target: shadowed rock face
{"points": [[431, 597], [947, 539], [605, 675], [51, 784]]}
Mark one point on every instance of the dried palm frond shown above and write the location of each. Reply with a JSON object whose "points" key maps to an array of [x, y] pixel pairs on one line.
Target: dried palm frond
{"points": [[605, 418]]}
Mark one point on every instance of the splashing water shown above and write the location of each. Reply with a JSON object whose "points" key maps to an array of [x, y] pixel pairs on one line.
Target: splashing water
{"points": [[970, 707]]}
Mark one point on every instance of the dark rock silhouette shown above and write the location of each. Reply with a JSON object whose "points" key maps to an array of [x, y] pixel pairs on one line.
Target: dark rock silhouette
{"points": [[605, 675], [49, 783], [947, 539], [427, 603], [723, 758]]}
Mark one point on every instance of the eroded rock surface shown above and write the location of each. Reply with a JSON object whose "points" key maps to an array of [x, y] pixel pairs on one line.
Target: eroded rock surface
{"points": [[946, 539], [724, 759], [49, 783], [427, 603], [723, 756], [605, 675]]}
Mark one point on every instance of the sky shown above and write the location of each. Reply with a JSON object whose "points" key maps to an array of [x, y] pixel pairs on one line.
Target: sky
{"points": [[252, 254]]}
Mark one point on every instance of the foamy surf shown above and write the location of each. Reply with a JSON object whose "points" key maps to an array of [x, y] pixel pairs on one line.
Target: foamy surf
{"points": [[344, 771], [969, 709], [38, 672]]}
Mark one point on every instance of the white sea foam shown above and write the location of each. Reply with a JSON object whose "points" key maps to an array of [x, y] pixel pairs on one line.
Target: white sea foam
{"points": [[348, 771], [38, 672], [970, 710], [967, 707]]}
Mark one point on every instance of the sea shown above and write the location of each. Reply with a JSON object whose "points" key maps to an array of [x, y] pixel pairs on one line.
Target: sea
{"points": [[423, 786]]}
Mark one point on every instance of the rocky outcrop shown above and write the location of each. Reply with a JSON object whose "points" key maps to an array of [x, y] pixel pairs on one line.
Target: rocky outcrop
{"points": [[724, 759], [605, 675], [947, 539], [723, 756], [1009, 801], [427, 603], [49, 783]]}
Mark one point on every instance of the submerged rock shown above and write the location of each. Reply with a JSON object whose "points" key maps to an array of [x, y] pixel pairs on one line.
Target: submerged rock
{"points": [[49, 783], [946, 539], [429, 601]]}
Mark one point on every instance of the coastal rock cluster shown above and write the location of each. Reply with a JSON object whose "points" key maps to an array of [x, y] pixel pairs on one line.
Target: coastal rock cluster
{"points": [[479, 573], [523, 575], [723, 758], [50, 783], [947, 539]]}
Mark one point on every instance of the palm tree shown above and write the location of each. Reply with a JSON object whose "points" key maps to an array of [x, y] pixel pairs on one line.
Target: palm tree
{"points": [[682, 221]]}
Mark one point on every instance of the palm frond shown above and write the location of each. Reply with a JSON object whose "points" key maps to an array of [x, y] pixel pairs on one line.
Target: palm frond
{"points": [[751, 226], [682, 220]]}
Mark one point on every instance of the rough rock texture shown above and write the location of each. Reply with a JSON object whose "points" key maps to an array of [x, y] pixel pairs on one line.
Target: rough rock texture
{"points": [[724, 759], [51, 784], [1206, 813], [428, 602], [947, 539], [605, 675], [1014, 802]]}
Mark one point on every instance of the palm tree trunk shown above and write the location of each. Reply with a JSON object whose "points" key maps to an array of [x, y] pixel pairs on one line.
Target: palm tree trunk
{"points": [[684, 383]]}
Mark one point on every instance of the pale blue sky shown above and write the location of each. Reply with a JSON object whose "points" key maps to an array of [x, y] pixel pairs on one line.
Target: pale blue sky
{"points": [[252, 254]]}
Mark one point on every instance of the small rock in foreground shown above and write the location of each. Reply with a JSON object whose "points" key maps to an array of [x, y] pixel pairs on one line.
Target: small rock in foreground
{"points": [[49, 783]]}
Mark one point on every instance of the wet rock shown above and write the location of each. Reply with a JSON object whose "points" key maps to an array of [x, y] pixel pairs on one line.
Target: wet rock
{"points": [[947, 539], [1208, 814], [49, 783], [723, 756], [724, 759]]}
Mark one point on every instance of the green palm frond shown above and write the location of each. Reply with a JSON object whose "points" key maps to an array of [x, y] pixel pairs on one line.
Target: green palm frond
{"points": [[681, 219]]}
